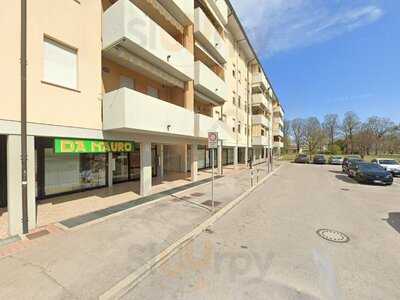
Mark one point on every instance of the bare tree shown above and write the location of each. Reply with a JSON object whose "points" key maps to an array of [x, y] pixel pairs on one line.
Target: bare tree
{"points": [[286, 134], [313, 134], [298, 130], [331, 127], [379, 127], [351, 123]]}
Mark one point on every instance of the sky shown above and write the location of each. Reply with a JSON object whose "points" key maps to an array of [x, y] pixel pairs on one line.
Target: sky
{"points": [[328, 56]]}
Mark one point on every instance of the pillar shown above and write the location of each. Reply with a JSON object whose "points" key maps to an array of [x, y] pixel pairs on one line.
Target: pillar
{"points": [[145, 168], [111, 167], [14, 182], [185, 159], [265, 153], [194, 162], [235, 155], [219, 159], [160, 167], [246, 155]]}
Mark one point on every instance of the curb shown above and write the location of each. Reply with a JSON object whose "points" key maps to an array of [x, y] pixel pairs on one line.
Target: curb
{"points": [[129, 282]]}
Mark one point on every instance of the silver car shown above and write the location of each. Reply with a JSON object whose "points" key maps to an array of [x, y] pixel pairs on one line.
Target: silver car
{"points": [[336, 160]]}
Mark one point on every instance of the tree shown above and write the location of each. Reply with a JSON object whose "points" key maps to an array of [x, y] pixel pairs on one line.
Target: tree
{"points": [[286, 134], [313, 134], [378, 127], [331, 127], [298, 130], [350, 125]]}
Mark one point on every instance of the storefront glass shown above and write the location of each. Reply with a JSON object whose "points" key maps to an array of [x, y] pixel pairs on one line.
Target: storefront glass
{"points": [[71, 172]]}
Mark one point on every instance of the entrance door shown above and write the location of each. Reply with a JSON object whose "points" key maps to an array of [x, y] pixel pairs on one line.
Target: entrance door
{"points": [[3, 171]]}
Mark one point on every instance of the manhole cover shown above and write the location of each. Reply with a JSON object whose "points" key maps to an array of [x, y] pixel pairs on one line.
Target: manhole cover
{"points": [[209, 203], [333, 236], [346, 190]]}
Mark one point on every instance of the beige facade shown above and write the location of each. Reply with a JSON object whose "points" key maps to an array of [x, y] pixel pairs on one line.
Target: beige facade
{"points": [[159, 73]]}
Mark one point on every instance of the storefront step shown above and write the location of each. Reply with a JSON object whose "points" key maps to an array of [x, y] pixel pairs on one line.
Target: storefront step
{"points": [[90, 217]]}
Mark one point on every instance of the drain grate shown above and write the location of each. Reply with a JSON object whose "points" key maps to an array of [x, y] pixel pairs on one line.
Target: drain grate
{"points": [[333, 235], [346, 190]]}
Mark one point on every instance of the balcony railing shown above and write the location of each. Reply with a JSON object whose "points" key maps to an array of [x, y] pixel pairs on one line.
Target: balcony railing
{"points": [[125, 26], [182, 10], [260, 140], [128, 110], [260, 120], [208, 36], [210, 84], [205, 124]]}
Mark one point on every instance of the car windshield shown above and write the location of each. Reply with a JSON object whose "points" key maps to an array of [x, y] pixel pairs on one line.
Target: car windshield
{"points": [[388, 162], [336, 157], [370, 168]]}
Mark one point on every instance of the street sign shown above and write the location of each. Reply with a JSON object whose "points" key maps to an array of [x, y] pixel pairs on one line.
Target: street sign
{"points": [[213, 140]]}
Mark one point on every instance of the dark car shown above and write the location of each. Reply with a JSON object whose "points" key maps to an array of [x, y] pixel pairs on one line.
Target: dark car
{"points": [[372, 173], [346, 161], [302, 159], [353, 165], [319, 159]]}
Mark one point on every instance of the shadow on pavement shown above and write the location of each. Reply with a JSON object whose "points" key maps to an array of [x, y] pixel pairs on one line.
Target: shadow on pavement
{"points": [[336, 172], [346, 179], [394, 220]]}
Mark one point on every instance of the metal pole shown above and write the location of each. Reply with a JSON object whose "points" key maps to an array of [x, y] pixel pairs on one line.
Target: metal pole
{"points": [[212, 183], [23, 118]]}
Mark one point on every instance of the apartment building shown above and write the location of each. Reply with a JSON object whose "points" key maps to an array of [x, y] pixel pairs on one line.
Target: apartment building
{"points": [[124, 90], [278, 117]]}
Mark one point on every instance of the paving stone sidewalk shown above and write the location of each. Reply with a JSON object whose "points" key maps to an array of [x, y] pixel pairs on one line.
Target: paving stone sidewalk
{"points": [[86, 262]]}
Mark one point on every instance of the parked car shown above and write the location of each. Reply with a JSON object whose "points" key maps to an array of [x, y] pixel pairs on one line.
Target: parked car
{"points": [[353, 165], [319, 159], [372, 173], [346, 162], [302, 159], [390, 165], [336, 160]]}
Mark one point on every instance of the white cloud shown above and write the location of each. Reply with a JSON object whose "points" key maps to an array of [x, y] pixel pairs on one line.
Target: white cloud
{"points": [[280, 25]]}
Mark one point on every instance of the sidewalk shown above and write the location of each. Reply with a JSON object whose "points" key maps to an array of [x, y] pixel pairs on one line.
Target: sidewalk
{"points": [[87, 261]]}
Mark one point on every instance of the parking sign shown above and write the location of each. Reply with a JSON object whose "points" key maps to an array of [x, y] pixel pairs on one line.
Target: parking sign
{"points": [[213, 140]]}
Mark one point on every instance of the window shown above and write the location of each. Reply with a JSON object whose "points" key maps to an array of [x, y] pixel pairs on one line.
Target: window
{"points": [[126, 82], [60, 64], [262, 132], [233, 100], [153, 92], [239, 101], [233, 73], [239, 127]]}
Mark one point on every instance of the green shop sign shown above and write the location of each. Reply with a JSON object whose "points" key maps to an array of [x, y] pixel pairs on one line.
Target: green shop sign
{"points": [[91, 146]]}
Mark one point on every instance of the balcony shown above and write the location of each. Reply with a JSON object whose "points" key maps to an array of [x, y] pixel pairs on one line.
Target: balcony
{"points": [[278, 132], [126, 27], [260, 120], [126, 110], [259, 81], [182, 10], [278, 144], [278, 109], [208, 36], [260, 99], [260, 140], [205, 124], [221, 10], [209, 84], [278, 121]]}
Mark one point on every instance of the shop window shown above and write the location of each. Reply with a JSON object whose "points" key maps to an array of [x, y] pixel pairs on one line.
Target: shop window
{"points": [[60, 64]]}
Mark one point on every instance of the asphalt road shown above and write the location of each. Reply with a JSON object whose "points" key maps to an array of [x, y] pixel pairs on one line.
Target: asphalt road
{"points": [[267, 247]]}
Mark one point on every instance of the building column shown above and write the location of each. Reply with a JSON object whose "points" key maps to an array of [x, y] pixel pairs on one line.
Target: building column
{"points": [[14, 183], [145, 168], [194, 162], [111, 167], [219, 159], [246, 155], [265, 154], [185, 159], [235, 155], [160, 167]]}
